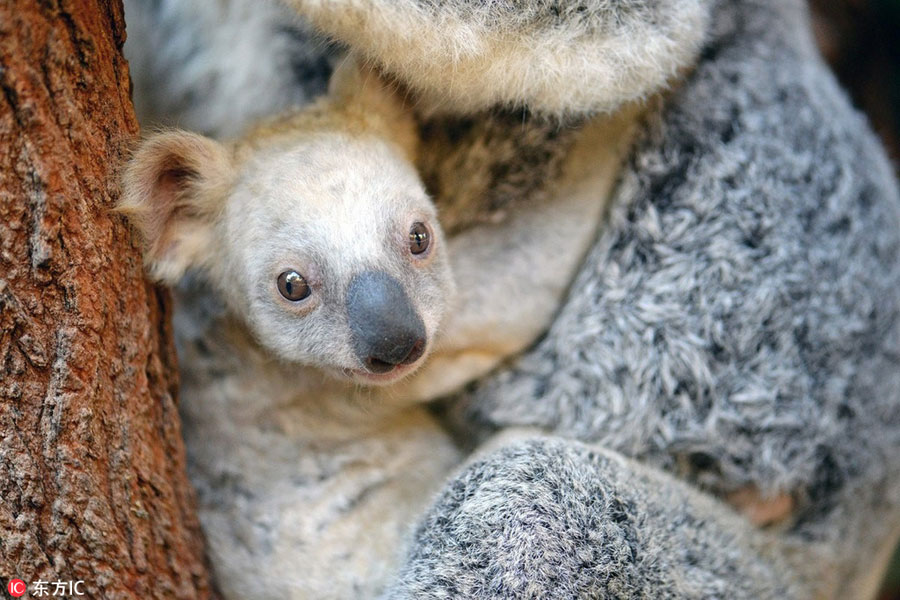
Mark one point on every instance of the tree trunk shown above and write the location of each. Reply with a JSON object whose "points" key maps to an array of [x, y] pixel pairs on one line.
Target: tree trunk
{"points": [[92, 466]]}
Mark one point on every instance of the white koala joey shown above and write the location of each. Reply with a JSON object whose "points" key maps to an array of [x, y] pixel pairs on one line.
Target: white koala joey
{"points": [[333, 307]]}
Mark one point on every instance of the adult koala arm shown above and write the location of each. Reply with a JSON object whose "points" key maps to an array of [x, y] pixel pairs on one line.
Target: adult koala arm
{"points": [[555, 519], [555, 57]]}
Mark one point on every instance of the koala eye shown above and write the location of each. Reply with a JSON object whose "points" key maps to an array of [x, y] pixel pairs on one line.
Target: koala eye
{"points": [[293, 286], [419, 238]]}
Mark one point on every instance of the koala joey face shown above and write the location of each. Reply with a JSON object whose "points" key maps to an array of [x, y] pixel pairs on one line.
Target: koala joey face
{"points": [[321, 240], [332, 253]]}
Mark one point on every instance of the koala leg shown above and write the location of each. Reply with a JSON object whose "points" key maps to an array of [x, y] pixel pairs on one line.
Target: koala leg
{"points": [[549, 518], [511, 276]]}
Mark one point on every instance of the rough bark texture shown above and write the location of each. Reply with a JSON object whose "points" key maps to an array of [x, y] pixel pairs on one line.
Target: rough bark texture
{"points": [[92, 467]]}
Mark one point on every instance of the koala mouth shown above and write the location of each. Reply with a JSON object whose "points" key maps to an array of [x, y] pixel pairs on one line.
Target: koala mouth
{"points": [[379, 366], [381, 372], [382, 378]]}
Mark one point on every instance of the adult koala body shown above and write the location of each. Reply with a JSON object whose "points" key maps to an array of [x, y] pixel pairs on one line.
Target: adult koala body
{"points": [[737, 323]]}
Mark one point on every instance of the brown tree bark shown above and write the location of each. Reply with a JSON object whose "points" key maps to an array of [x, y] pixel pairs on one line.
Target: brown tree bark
{"points": [[92, 466]]}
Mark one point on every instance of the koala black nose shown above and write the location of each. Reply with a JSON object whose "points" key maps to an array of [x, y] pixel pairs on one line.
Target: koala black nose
{"points": [[386, 329]]}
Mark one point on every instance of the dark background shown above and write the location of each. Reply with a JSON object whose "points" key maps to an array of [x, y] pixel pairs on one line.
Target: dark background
{"points": [[861, 41]]}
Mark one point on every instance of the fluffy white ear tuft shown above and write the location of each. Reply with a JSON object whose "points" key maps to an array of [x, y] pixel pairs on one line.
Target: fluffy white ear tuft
{"points": [[173, 190]]}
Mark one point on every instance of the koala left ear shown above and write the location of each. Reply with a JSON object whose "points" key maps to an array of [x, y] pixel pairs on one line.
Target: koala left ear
{"points": [[172, 192]]}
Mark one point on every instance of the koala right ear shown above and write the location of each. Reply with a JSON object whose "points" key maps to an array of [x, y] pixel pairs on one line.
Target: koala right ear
{"points": [[362, 89], [173, 190]]}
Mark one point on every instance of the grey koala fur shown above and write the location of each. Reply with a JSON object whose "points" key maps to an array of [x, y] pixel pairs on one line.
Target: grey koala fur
{"points": [[736, 323], [271, 61], [551, 519]]}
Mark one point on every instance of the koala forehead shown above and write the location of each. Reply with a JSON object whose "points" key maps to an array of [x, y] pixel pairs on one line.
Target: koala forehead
{"points": [[330, 202]]}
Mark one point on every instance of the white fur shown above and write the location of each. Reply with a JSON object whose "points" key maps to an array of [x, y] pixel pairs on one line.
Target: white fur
{"points": [[306, 481], [458, 59], [304, 491]]}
